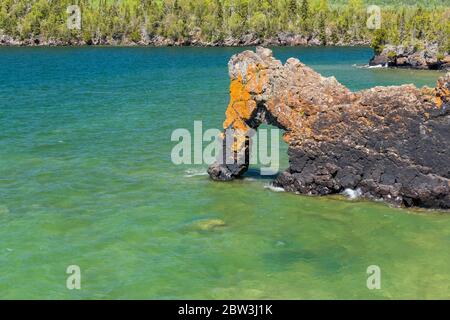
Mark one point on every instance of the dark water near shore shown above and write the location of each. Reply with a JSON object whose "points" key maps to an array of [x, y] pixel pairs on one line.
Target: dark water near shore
{"points": [[86, 179]]}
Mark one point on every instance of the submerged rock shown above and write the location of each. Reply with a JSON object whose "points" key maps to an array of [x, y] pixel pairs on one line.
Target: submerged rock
{"points": [[208, 224], [4, 210], [388, 142]]}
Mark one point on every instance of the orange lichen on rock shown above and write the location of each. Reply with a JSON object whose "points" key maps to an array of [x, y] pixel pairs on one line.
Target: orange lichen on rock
{"points": [[442, 91], [242, 106], [256, 78]]}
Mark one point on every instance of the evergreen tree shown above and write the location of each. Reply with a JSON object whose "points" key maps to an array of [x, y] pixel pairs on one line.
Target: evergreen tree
{"points": [[293, 8], [402, 26], [379, 40], [304, 10], [322, 29]]}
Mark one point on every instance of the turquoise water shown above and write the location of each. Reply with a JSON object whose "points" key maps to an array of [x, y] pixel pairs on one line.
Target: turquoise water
{"points": [[86, 179]]}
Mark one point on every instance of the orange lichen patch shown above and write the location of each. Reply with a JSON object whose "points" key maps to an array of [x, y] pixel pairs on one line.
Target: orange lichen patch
{"points": [[287, 137], [261, 80], [256, 78], [438, 101], [230, 116], [241, 105], [441, 92], [244, 108], [427, 91], [240, 125], [238, 92]]}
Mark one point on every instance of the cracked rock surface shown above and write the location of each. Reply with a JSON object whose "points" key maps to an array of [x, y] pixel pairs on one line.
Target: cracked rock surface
{"points": [[391, 142]]}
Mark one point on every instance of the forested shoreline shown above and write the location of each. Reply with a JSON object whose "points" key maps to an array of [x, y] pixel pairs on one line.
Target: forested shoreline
{"points": [[225, 23]]}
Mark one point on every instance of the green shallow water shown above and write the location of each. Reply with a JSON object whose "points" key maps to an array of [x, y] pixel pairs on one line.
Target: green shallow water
{"points": [[86, 178]]}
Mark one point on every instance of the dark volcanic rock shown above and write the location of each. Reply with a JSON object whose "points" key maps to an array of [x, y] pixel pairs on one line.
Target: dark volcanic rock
{"points": [[390, 142]]}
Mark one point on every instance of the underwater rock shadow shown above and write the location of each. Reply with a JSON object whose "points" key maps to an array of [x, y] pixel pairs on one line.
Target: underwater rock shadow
{"points": [[255, 174]]}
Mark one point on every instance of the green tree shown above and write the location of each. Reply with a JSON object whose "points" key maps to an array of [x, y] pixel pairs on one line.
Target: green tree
{"points": [[293, 9], [322, 29], [379, 40], [304, 10], [258, 23]]}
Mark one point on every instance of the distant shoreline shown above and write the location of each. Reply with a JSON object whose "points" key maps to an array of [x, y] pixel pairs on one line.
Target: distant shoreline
{"points": [[248, 40]]}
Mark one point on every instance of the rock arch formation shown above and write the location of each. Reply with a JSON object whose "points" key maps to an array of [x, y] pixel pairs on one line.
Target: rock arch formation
{"points": [[389, 142]]}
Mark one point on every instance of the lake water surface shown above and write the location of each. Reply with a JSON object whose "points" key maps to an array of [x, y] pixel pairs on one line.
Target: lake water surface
{"points": [[86, 179]]}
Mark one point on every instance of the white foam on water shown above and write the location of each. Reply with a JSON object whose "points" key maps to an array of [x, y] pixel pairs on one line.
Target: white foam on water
{"points": [[366, 66], [352, 194], [195, 172], [273, 188], [377, 66]]}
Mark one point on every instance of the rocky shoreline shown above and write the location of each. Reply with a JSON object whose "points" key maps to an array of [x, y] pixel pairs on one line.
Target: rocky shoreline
{"points": [[428, 58], [281, 39], [389, 143]]}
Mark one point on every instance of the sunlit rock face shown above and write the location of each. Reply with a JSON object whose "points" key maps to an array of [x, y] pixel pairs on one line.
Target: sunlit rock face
{"points": [[390, 142]]}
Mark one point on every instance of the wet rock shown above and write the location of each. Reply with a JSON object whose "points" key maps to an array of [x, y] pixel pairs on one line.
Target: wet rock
{"points": [[391, 143]]}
